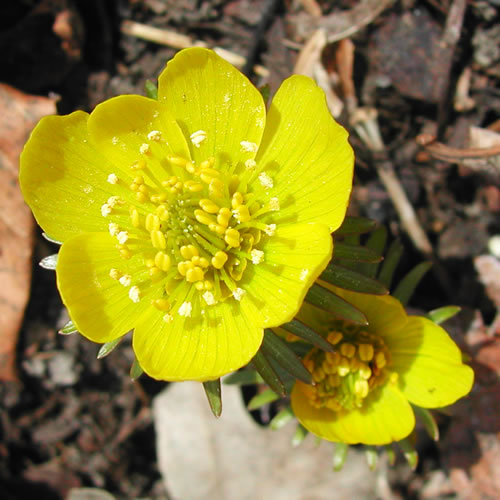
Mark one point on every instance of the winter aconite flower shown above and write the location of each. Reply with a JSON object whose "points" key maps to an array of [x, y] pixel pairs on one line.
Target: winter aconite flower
{"points": [[364, 388], [193, 219]]}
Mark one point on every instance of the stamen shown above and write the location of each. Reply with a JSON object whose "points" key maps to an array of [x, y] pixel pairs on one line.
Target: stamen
{"points": [[185, 309], [125, 280], [265, 180], [198, 137], [144, 149], [238, 293], [154, 135], [209, 298], [134, 294], [257, 256]]}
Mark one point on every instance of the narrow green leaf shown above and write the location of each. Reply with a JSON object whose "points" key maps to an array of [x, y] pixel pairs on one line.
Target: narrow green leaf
{"points": [[243, 377], [371, 457], [135, 370], [108, 347], [308, 334], [52, 240], [391, 455], [265, 91], [409, 452], [376, 242], [281, 419], [356, 225], [340, 455], [427, 418], [409, 283], [151, 90], [261, 399], [268, 373], [390, 264], [443, 313], [328, 301], [277, 349], [49, 262], [213, 392], [356, 253], [299, 435], [68, 328], [352, 280]]}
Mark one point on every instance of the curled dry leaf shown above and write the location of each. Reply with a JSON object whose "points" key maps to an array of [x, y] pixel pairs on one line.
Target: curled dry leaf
{"points": [[20, 112]]}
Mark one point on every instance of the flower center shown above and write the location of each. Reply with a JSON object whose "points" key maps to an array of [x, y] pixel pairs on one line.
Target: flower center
{"points": [[344, 378], [195, 228]]}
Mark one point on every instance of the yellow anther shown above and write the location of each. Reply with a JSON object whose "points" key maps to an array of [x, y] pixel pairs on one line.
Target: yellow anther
{"points": [[170, 286], [195, 274], [380, 360], [361, 388], [140, 197], [208, 163], [152, 222], [365, 352], [179, 185], [184, 266], [309, 364], [348, 350], [216, 188], [209, 206], [149, 263], [203, 262], [158, 240], [242, 214], [318, 374], [138, 165], [333, 405], [195, 260], [125, 253], [207, 174], [177, 160], [217, 228], [193, 186], [355, 364], [163, 261], [203, 217], [114, 274], [333, 358], [237, 200], [139, 179], [344, 367], [134, 186], [199, 286], [162, 212], [364, 371], [162, 304], [189, 251], [155, 273], [334, 337], [224, 216], [334, 380], [208, 285], [219, 259], [134, 217], [190, 167], [143, 189], [329, 368], [232, 237], [393, 377]]}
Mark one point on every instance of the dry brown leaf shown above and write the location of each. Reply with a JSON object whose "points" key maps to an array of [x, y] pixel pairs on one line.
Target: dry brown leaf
{"points": [[20, 112]]}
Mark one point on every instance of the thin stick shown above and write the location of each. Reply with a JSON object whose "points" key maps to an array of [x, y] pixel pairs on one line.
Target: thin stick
{"points": [[179, 41]]}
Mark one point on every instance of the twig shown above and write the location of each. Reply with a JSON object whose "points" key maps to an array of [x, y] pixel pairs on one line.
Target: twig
{"points": [[364, 121], [178, 41]]}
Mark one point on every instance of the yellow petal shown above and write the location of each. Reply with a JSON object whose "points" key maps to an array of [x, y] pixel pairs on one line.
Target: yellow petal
{"points": [[128, 128], [63, 177], [293, 258], [385, 417], [307, 156], [99, 306], [430, 364], [206, 93], [200, 347]]}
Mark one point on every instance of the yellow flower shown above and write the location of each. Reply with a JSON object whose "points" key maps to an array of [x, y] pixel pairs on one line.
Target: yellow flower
{"points": [[364, 388], [195, 219]]}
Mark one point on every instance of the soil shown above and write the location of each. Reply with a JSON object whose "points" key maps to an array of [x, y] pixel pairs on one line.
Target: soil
{"points": [[71, 420]]}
